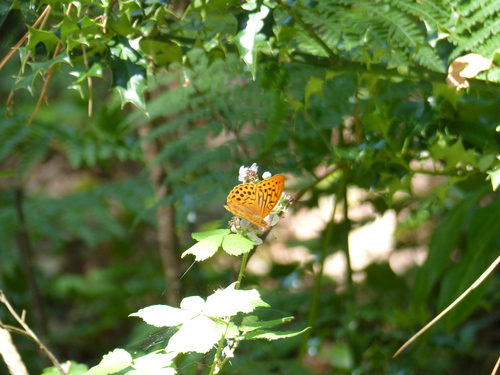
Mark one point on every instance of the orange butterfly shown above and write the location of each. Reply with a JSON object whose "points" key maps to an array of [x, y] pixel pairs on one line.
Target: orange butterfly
{"points": [[255, 201]]}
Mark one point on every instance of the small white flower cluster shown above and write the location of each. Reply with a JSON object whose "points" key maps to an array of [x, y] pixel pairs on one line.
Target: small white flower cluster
{"points": [[249, 174]]}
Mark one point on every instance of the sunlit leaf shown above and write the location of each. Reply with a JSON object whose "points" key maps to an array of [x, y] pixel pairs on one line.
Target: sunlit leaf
{"points": [[198, 335], [111, 363], [206, 247], [236, 244], [230, 301], [247, 39], [164, 316]]}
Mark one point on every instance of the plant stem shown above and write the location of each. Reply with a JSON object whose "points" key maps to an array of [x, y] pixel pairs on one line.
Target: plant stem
{"points": [[214, 369], [31, 334], [242, 269], [351, 308]]}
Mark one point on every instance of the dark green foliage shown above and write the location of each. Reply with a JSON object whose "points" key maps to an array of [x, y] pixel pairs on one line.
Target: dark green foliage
{"points": [[353, 87]]}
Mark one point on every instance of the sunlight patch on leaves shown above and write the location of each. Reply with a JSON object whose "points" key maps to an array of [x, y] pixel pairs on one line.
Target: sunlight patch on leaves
{"points": [[154, 364], [198, 335], [229, 302], [206, 248], [236, 244], [111, 363], [211, 241], [495, 178], [166, 316], [248, 40]]}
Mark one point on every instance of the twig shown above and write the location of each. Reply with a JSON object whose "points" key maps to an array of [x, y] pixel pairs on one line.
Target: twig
{"points": [[10, 354], [445, 311], [30, 333], [7, 57], [495, 369], [48, 77]]}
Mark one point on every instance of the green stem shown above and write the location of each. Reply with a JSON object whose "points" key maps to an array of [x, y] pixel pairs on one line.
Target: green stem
{"points": [[351, 308], [217, 355], [220, 345], [242, 269]]}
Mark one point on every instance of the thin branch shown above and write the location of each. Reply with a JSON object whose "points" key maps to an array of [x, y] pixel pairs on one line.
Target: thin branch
{"points": [[89, 81], [495, 369], [48, 78], [445, 311], [43, 17], [10, 354], [31, 334]]}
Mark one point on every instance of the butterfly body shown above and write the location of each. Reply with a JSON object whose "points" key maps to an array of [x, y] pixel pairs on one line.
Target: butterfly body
{"points": [[255, 201]]}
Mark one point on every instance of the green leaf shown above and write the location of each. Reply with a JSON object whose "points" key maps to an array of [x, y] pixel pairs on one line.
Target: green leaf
{"points": [[111, 363], [165, 316], [252, 323], [448, 93], [162, 52], [154, 363], [82, 75], [485, 162], [495, 178], [236, 244], [218, 22], [314, 86], [206, 247], [129, 73], [198, 335], [133, 92], [427, 56], [454, 156], [74, 369], [198, 236], [270, 335], [229, 302], [121, 25], [41, 68], [35, 36]]}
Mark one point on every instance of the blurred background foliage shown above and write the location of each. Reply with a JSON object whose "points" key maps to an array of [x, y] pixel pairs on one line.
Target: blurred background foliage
{"points": [[128, 120]]}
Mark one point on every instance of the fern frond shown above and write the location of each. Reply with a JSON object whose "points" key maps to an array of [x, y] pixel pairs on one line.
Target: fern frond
{"points": [[480, 36], [35, 151], [473, 6], [492, 75], [428, 58], [484, 12], [433, 13], [403, 31]]}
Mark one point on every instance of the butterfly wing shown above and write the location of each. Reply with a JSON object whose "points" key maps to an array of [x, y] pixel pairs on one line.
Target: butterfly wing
{"points": [[255, 202], [245, 213], [269, 193], [242, 201]]}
